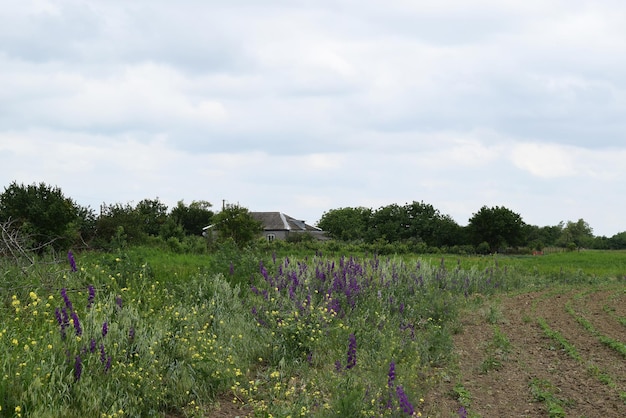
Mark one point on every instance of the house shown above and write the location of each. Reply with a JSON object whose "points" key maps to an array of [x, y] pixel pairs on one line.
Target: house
{"points": [[277, 225]]}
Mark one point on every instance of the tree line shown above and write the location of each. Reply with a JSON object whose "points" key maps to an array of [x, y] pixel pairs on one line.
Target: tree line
{"points": [[424, 228], [47, 219]]}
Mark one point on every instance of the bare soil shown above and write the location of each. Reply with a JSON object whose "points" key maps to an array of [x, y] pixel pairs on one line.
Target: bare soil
{"points": [[586, 387]]}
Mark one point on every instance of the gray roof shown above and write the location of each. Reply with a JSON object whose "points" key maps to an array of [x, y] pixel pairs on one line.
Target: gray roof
{"points": [[278, 221]]}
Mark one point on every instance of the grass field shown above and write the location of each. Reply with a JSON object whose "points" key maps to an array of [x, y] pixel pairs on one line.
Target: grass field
{"points": [[146, 332]]}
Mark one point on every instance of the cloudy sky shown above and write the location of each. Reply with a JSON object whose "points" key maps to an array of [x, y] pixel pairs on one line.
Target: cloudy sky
{"points": [[306, 106]]}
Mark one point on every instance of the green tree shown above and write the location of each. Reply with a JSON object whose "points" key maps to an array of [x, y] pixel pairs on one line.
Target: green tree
{"points": [[389, 223], [235, 222], [426, 223], [152, 215], [497, 226], [192, 218], [347, 224], [118, 224], [43, 213], [579, 234], [618, 241]]}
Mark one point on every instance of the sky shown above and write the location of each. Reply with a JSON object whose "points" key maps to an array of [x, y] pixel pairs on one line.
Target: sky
{"points": [[303, 106]]}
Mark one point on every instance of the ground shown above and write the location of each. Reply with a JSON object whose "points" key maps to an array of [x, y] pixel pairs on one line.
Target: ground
{"points": [[499, 383], [508, 367]]}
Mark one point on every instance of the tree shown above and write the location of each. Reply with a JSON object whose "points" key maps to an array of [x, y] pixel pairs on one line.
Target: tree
{"points": [[389, 223], [618, 241], [192, 218], [152, 215], [347, 224], [497, 226], [43, 213], [121, 223], [428, 224], [579, 234], [235, 222]]}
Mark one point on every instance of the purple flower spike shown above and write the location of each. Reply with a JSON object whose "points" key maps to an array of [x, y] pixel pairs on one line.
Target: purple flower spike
{"points": [[66, 299], [118, 301], [78, 368], [105, 329], [77, 327], [403, 400], [391, 376], [131, 333], [462, 412], [92, 296], [351, 352], [70, 257]]}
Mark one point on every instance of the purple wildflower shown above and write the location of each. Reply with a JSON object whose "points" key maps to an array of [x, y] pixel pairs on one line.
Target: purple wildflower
{"points": [[57, 314], [70, 257], [92, 296], [66, 299], [92, 346], [78, 368], [77, 327], [462, 412], [107, 366], [118, 301], [105, 329], [131, 333], [338, 366], [391, 376], [351, 352], [403, 400]]}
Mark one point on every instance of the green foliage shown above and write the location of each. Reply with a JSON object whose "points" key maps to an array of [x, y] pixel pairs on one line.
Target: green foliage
{"points": [[497, 226], [346, 224], [152, 215], [576, 235], [235, 222], [44, 214], [192, 218]]}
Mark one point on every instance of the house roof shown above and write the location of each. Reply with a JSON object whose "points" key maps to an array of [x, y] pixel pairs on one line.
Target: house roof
{"points": [[278, 221]]}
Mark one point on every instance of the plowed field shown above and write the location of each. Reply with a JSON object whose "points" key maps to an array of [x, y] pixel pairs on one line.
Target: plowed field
{"points": [[558, 352]]}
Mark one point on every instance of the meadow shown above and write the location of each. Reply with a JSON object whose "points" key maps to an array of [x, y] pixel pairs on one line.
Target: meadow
{"points": [[147, 332]]}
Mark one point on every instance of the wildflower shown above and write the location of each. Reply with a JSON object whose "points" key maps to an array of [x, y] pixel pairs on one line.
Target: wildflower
{"points": [[103, 357], [403, 400], [92, 296], [70, 257], [92, 345], [66, 299], [338, 366], [391, 376], [131, 333], [118, 301], [351, 352], [78, 368], [33, 296], [105, 329], [462, 412], [77, 327]]}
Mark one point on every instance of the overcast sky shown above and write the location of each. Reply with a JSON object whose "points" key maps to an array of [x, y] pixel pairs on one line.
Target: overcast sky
{"points": [[307, 106]]}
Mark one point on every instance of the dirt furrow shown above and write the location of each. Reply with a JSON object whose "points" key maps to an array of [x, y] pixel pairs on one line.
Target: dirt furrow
{"points": [[533, 357]]}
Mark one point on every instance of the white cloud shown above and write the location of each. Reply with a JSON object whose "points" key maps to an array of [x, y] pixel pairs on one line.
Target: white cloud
{"points": [[304, 107]]}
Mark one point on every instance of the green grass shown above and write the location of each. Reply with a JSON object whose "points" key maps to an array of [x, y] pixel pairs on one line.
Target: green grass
{"points": [[543, 391], [304, 335]]}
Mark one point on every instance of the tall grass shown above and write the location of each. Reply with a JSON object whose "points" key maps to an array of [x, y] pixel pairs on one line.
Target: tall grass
{"points": [[149, 332]]}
